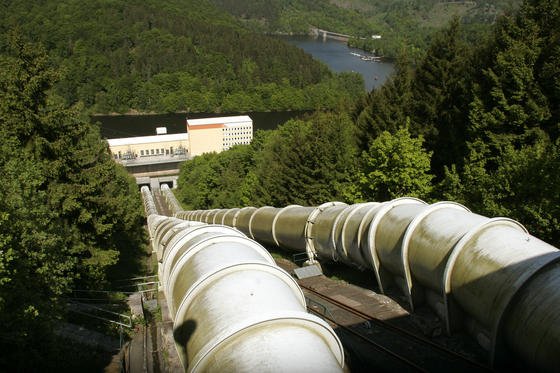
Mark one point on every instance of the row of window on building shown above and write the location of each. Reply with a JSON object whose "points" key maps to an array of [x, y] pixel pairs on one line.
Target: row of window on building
{"points": [[149, 152], [162, 151], [237, 136]]}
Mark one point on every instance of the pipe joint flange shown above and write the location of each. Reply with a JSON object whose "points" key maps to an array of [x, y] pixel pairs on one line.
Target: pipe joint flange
{"points": [[252, 217], [448, 272], [229, 211], [276, 219], [408, 237], [353, 209], [309, 244], [372, 232], [238, 212]]}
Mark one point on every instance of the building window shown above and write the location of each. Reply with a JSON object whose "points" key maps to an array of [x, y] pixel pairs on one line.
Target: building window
{"points": [[141, 153], [152, 151]]}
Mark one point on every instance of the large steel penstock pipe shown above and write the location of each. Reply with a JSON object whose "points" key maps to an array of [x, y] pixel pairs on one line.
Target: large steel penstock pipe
{"points": [[488, 276], [234, 310]]}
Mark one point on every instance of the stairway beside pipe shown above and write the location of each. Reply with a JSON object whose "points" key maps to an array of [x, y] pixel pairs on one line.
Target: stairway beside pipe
{"points": [[488, 276], [234, 310]]}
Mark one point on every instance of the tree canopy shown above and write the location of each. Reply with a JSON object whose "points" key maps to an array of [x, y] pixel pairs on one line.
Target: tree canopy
{"points": [[183, 55], [67, 210]]}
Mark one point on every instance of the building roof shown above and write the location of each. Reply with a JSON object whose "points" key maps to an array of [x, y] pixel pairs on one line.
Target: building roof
{"points": [[219, 120], [148, 139]]}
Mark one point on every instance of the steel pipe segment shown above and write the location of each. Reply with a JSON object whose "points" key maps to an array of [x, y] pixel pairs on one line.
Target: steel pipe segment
{"points": [[313, 230], [428, 242], [148, 199], [219, 216], [211, 216], [178, 244], [235, 310], [531, 327], [353, 234], [288, 227], [204, 216], [165, 236], [172, 201], [228, 217], [344, 234], [195, 215], [260, 224], [487, 268], [166, 225], [153, 222], [242, 218], [383, 272]]}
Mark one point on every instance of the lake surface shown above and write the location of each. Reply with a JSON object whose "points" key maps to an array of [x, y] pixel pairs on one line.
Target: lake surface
{"points": [[337, 56], [118, 126]]}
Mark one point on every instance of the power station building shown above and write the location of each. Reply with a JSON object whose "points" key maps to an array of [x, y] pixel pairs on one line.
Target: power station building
{"points": [[156, 159], [149, 146], [218, 134], [203, 136]]}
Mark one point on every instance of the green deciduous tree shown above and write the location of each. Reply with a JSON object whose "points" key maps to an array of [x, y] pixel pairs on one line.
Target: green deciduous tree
{"points": [[395, 166], [386, 108]]}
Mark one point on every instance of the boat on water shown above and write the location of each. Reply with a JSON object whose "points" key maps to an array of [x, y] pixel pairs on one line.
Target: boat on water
{"points": [[363, 57], [371, 58]]}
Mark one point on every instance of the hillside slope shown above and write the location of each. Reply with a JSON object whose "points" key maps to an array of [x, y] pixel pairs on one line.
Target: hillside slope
{"points": [[400, 22], [180, 55]]}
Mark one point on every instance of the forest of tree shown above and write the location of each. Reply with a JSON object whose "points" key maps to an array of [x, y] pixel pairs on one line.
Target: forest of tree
{"points": [[403, 24], [69, 216], [476, 123], [182, 55]]}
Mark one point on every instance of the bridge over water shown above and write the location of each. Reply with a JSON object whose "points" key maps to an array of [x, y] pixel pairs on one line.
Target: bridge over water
{"points": [[317, 32]]}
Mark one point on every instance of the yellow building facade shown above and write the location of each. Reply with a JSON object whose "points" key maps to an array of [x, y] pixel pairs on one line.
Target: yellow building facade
{"points": [[218, 134]]}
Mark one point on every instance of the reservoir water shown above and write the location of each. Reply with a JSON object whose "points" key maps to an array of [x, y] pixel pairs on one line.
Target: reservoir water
{"points": [[339, 58], [117, 126], [335, 54]]}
